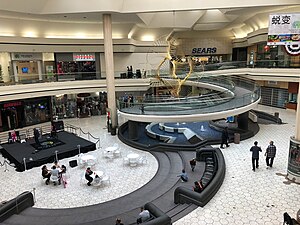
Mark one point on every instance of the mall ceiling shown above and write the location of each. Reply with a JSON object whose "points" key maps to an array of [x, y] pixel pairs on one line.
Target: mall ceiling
{"points": [[146, 20]]}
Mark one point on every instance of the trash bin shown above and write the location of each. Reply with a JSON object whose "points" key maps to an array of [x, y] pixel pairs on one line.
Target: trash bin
{"points": [[237, 138]]}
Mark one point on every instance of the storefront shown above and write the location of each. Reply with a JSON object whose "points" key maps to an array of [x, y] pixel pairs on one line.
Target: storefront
{"points": [[17, 114], [27, 67], [77, 66], [266, 56], [79, 105], [208, 50]]}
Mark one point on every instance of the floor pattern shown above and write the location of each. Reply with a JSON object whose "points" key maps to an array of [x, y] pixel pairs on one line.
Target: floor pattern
{"points": [[246, 197]]}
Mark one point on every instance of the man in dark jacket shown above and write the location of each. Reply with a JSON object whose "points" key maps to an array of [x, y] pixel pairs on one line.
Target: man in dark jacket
{"points": [[255, 155], [270, 154], [225, 137]]}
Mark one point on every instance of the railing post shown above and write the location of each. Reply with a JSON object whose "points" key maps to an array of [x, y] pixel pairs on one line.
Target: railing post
{"points": [[24, 162]]}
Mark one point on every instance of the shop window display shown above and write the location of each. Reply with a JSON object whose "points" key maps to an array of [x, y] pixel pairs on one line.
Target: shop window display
{"points": [[64, 106], [36, 111]]}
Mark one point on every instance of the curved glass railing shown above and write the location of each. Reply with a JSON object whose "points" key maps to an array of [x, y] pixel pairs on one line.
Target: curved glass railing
{"points": [[245, 93], [198, 68]]}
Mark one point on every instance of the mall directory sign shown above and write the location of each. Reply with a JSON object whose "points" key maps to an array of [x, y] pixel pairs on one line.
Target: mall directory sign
{"points": [[284, 29]]}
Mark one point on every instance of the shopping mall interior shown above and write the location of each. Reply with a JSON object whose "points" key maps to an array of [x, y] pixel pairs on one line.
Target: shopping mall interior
{"points": [[135, 91]]}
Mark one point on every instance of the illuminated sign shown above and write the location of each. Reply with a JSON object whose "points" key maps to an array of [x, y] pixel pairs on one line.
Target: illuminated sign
{"points": [[203, 51], [84, 56], [12, 104]]}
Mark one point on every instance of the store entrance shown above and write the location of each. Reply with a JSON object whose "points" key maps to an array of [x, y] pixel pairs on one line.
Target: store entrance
{"points": [[11, 118]]}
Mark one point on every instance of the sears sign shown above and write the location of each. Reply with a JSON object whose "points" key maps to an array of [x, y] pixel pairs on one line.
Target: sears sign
{"points": [[203, 51]]}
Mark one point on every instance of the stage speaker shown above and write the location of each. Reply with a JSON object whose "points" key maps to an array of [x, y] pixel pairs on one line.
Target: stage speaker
{"points": [[194, 139], [73, 163], [59, 125]]}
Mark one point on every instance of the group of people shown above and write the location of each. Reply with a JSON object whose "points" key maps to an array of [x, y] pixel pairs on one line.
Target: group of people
{"points": [[13, 136], [270, 155], [56, 173]]}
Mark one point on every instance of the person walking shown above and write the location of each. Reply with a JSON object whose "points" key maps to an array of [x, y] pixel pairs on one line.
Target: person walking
{"points": [[193, 164], [225, 137], [270, 154], [255, 155]]}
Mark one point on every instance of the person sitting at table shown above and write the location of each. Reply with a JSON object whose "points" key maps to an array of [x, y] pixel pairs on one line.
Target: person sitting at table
{"points": [[63, 169], [46, 174], [56, 164], [55, 175], [88, 174]]}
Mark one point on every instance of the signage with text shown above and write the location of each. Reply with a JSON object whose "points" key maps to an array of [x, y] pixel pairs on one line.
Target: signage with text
{"points": [[17, 56], [204, 51], [84, 56], [284, 29]]}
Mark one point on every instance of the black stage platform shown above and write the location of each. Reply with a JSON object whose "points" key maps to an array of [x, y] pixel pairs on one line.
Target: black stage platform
{"points": [[65, 145]]}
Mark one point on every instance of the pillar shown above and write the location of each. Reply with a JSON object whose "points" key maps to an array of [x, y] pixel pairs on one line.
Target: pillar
{"points": [[293, 172], [109, 64], [133, 130], [39, 64], [4, 62], [242, 121]]}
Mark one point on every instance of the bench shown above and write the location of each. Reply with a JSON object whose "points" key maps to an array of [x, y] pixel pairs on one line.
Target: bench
{"points": [[16, 205], [212, 178], [158, 217]]}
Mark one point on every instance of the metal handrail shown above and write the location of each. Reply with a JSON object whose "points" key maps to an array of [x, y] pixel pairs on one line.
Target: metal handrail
{"points": [[78, 131]]}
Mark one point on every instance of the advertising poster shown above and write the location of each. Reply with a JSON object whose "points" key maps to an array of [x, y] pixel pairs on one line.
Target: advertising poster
{"points": [[284, 29], [294, 158]]}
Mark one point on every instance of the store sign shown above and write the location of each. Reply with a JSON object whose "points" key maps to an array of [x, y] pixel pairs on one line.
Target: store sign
{"points": [[12, 104], [83, 56], [17, 56], [204, 51], [284, 29]]}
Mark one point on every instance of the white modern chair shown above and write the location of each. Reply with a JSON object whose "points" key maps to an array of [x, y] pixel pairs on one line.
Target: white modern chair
{"points": [[117, 153], [97, 182], [133, 162], [105, 180], [125, 161], [142, 160], [80, 161], [54, 179]]}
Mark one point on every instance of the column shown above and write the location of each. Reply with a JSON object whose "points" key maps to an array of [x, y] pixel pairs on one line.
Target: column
{"points": [[133, 130], [293, 172], [15, 71], [39, 64], [4, 62], [110, 76], [242, 121]]}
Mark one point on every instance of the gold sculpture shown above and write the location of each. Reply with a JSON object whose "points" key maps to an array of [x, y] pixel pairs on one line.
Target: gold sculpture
{"points": [[177, 58]]}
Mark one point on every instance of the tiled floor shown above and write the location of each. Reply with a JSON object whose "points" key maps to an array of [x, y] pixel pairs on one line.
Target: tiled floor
{"points": [[77, 192], [246, 197]]}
